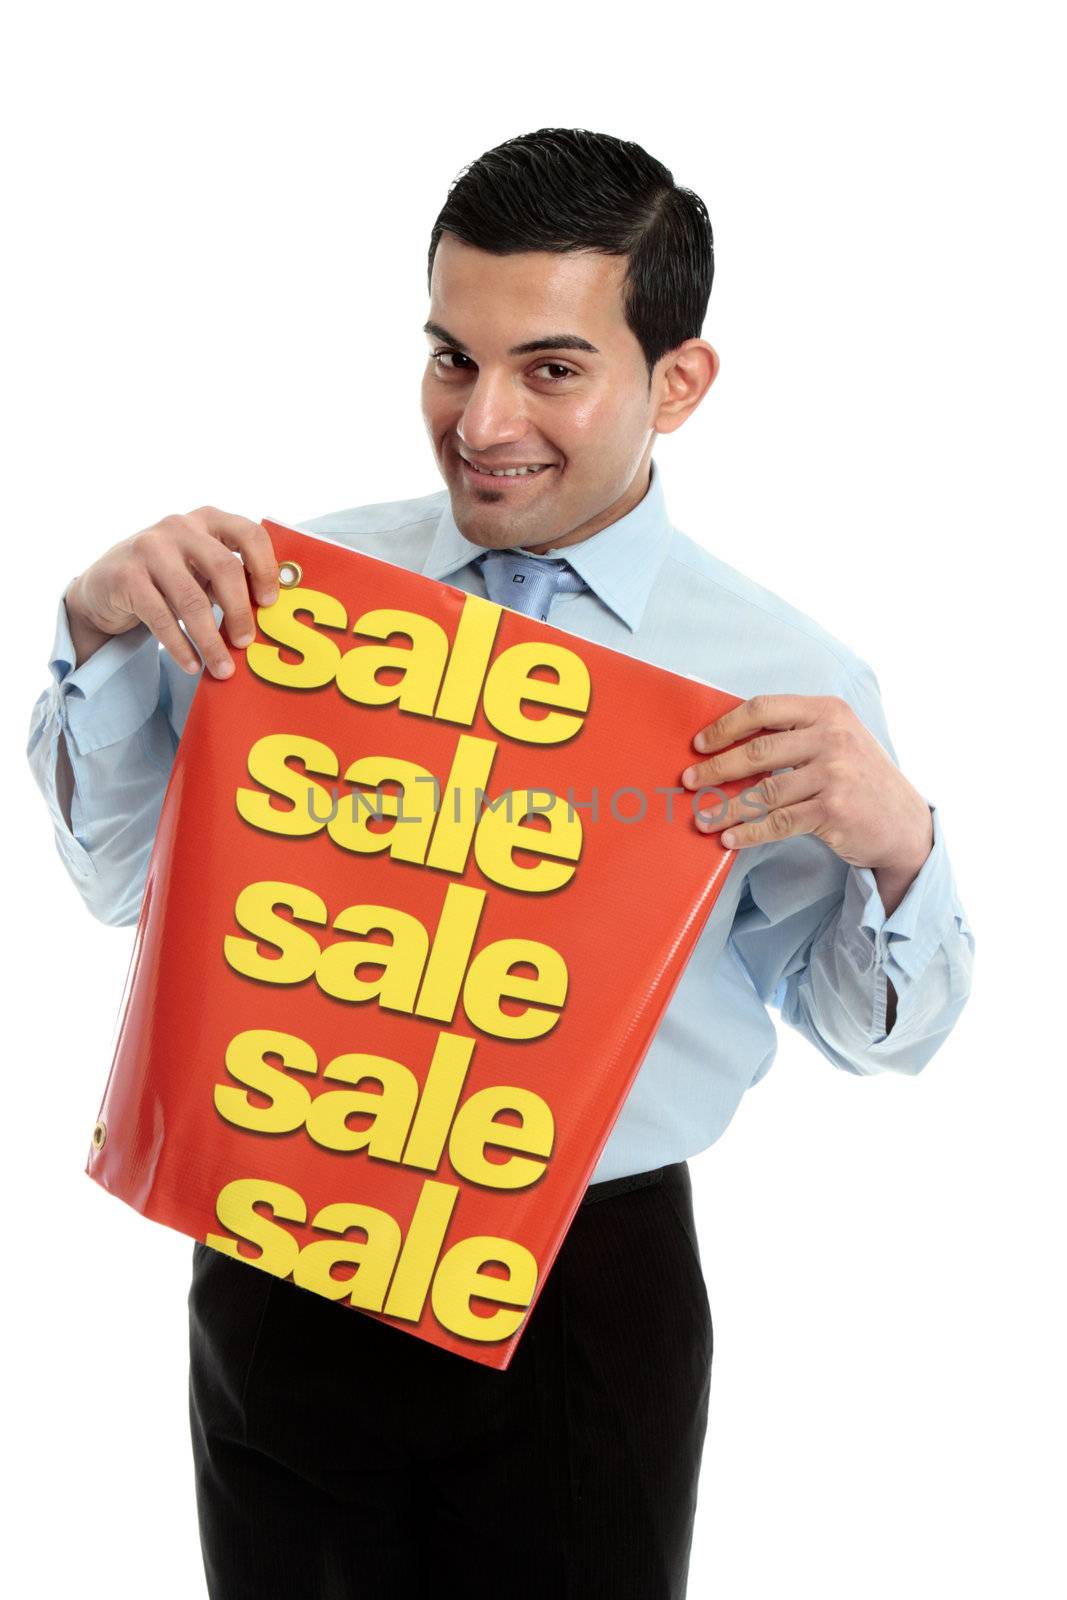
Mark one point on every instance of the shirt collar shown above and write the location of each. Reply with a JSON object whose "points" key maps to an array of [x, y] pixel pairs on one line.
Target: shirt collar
{"points": [[620, 563]]}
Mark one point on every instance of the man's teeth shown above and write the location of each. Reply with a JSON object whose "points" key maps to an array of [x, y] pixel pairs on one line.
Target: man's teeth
{"points": [[507, 472]]}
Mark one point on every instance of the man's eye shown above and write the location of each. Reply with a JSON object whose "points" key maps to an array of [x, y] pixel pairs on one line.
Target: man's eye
{"points": [[444, 357], [449, 361]]}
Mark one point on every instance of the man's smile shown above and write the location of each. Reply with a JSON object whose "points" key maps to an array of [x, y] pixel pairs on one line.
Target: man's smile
{"points": [[508, 475]]}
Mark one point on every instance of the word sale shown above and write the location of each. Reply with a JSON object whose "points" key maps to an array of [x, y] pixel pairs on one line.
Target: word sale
{"points": [[393, 1273], [512, 989]]}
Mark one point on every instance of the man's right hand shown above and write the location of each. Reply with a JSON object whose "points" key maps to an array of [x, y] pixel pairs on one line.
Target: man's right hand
{"points": [[179, 568]]}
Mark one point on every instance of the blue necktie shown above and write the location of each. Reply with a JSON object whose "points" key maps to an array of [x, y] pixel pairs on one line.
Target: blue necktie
{"points": [[528, 583]]}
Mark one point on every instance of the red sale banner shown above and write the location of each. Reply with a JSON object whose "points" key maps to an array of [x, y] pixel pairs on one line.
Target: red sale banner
{"points": [[416, 904]]}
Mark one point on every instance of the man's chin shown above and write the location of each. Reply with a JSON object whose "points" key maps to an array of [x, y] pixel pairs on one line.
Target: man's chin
{"points": [[496, 527], [492, 533], [495, 518]]}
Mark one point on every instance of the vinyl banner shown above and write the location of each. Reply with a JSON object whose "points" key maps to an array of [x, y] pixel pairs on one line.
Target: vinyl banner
{"points": [[414, 911]]}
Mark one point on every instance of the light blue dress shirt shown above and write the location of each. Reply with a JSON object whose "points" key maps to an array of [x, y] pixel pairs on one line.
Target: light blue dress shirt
{"points": [[795, 927]]}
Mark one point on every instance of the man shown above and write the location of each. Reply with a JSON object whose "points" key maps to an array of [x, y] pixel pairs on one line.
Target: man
{"points": [[569, 279]]}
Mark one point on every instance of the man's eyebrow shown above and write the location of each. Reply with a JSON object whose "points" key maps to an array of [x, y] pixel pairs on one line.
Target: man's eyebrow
{"points": [[557, 341]]}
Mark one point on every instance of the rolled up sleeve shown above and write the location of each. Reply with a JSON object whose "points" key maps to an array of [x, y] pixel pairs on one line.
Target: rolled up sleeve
{"points": [[815, 938], [116, 715], [838, 997]]}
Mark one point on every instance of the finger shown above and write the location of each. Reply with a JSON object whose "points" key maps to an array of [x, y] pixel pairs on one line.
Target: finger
{"points": [[187, 599], [252, 543], [763, 711], [150, 605], [761, 754], [226, 581], [783, 823], [752, 804]]}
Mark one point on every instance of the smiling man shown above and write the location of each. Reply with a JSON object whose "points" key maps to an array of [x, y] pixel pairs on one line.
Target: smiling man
{"points": [[569, 278], [547, 441]]}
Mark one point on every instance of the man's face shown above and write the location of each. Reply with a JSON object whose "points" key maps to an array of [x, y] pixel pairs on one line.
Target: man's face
{"points": [[583, 415]]}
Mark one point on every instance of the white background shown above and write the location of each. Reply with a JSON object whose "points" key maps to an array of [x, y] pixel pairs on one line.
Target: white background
{"points": [[215, 285]]}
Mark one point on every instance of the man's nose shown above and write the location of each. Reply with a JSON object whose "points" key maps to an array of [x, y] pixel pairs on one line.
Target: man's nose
{"points": [[494, 413]]}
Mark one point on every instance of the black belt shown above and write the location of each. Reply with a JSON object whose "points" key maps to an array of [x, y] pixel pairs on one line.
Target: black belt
{"points": [[613, 1186]]}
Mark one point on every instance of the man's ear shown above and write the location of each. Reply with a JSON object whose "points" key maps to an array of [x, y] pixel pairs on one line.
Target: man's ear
{"points": [[686, 375]]}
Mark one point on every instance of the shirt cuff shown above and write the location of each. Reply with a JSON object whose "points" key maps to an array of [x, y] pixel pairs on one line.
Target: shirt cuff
{"points": [[907, 939], [113, 692]]}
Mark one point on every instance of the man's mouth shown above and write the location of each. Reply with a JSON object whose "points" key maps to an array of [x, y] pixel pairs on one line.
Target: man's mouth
{"points": [[510, 474]]}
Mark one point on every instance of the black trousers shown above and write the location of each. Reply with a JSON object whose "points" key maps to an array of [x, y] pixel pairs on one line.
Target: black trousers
{"points": [[339, 1457]]}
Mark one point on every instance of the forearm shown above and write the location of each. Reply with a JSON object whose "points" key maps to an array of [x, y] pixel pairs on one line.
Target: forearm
{"points": [[865, 1021], [101, 746], [86, 639], [104, 805], [894, 880]]}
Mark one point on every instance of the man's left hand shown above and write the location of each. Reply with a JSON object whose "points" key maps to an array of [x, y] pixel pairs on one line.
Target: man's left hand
{"points": [[843, 787]]}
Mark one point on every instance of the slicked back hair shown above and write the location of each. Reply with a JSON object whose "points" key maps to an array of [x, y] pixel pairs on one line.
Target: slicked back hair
{"points": [[562, 189]]}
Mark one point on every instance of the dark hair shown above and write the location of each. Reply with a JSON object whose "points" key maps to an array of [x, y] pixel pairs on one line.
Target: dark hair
{"points": [[568, 189]]}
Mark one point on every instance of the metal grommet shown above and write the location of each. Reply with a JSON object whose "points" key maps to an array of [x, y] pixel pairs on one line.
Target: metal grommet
{"points": [[289, 574], [99, 1135]]}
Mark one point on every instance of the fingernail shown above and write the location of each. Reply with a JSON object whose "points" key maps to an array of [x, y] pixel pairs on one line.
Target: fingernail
{"points": [[241, 639], [729, 840], [690, 775], [269, 597], [224, 669], [700, 743]]}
